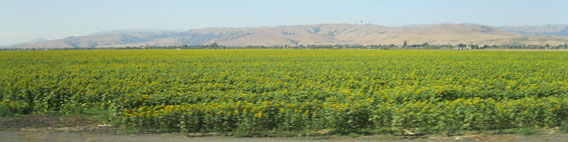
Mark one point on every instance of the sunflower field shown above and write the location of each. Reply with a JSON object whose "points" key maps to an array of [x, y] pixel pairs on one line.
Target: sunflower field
{"points": [[293, 90]]}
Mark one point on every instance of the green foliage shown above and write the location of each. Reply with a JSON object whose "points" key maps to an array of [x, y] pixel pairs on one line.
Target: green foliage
{"points": [[12, 108], [564, 126], [245, 92], [527, 131]]}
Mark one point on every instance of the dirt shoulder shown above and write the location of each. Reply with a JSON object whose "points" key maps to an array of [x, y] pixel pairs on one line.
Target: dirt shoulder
{"points": [[40, 128], [41, 136]]}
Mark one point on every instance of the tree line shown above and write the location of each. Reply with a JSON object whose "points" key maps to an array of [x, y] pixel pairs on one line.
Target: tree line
{"points": [[461, 46]]}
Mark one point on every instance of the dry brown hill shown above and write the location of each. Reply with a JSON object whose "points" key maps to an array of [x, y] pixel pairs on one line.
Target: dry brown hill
{"points": [[322, 34]]}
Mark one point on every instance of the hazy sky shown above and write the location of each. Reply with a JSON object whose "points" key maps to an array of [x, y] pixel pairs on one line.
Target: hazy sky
{"points": [[23, 20]]}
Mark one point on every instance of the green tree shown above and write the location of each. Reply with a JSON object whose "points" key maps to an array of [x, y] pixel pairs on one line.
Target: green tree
{"points": [[215, 45], [547, 46], [461, 46], [473, 46]]}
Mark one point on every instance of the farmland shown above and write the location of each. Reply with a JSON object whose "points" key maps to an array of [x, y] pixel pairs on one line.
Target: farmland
{"points": [[342, 91]]}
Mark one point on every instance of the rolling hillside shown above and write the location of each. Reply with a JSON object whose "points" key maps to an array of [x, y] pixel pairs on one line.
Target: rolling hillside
{"points": [[322, 34]]}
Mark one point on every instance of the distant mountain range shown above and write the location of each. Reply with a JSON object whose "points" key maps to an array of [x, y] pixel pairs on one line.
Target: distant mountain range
{"points": [[550, 30], [322, 34], [37, 40]]}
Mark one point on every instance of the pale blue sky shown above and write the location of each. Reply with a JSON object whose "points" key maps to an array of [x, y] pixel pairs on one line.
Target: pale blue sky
{"points": [[23, 20]]}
